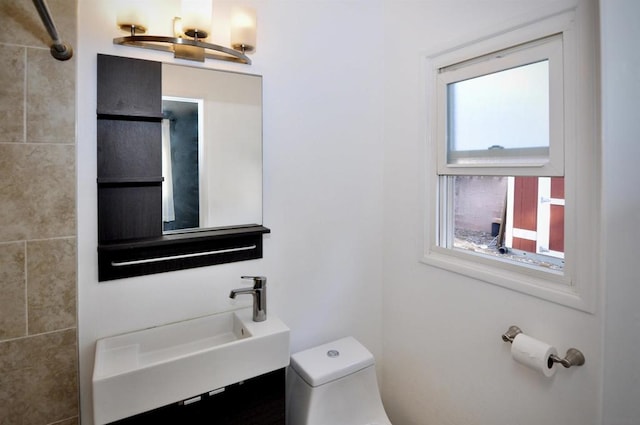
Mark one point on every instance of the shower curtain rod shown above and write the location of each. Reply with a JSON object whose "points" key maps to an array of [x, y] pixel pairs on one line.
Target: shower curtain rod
{"points": [[59, 49]]}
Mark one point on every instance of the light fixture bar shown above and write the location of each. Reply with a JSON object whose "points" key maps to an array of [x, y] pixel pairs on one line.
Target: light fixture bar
{"points": [[183, 48]]}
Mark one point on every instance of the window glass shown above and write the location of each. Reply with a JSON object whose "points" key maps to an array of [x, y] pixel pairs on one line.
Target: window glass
{"points": [[498, 115], [515, 219]]}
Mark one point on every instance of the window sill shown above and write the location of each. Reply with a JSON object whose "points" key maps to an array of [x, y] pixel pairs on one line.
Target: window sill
{"points": [[548, 286]]}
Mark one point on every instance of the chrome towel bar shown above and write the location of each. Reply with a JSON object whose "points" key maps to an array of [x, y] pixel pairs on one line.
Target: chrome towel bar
{"points": [[180, 257]]}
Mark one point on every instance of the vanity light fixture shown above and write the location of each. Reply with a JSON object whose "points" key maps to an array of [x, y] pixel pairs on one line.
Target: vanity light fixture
{"points": [[189, 33]]}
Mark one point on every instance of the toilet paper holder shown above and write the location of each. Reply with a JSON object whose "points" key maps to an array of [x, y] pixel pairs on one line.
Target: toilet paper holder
{"points": [[574, 357]]}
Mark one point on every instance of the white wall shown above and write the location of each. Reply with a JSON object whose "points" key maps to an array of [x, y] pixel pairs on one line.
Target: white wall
{"points": [[444, 360], [621, 206], [322, 187]]}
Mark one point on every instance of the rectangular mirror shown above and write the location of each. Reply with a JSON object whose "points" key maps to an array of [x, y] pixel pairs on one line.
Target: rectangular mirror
{"points": [[179, 154], [212, 148]]}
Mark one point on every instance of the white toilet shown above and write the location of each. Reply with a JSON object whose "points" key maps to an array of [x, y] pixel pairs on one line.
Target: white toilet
{"points": [[334, 384]]}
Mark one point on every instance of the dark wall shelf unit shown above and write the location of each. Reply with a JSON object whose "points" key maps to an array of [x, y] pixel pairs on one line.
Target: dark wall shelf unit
{"points": [[138, 257], [130, 234]]}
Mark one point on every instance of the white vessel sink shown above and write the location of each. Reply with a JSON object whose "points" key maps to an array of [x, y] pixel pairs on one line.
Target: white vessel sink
{"points": [[150, 368]]}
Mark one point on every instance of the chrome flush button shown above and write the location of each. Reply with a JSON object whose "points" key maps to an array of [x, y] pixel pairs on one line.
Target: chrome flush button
{"points": [[333, 353]]}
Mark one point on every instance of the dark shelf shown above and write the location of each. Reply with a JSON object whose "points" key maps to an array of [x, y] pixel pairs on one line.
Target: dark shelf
{"points": [[117, 116], [198, 248], [141, 181]]}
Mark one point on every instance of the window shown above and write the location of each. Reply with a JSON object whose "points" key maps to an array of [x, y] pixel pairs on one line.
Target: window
{"points": [[505, 182], [502, 113]]}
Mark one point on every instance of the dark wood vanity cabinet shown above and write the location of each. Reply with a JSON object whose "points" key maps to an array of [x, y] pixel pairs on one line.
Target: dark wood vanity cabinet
{"points": [[129, 137], [256, 401]]}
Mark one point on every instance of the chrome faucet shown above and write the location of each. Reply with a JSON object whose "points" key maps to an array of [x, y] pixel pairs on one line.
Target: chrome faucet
{"points": [[259, 292]]}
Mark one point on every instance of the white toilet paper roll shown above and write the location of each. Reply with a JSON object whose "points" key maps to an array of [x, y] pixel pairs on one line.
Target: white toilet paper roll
{"points": [[534, 353]]}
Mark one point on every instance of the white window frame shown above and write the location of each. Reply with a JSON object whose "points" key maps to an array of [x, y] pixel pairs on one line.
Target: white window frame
{"points": [[575, 286]]}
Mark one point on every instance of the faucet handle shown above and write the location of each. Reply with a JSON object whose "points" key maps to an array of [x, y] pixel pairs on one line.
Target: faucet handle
{"points": [[259, 282]]}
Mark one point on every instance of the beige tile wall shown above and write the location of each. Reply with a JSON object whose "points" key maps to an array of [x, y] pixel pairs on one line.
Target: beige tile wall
{"points": [[38, 289]]}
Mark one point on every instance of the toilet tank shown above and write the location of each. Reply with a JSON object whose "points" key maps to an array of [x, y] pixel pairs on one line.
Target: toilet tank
{"points": [[334, 384], [331, 361]]}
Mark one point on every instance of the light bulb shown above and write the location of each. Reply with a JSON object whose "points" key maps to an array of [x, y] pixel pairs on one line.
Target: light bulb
{"points": [[131, 17], [196, 17], [243, 29]]}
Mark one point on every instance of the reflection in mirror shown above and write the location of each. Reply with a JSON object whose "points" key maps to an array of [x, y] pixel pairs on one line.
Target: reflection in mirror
{"points": [[181, 144], [215, 169]]}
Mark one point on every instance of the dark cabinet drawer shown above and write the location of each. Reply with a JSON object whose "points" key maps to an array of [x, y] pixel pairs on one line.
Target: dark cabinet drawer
{"points": [[257, 401]]}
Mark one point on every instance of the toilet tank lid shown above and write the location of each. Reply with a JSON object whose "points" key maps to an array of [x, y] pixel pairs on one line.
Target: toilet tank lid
{"points": [[331, 361]]}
